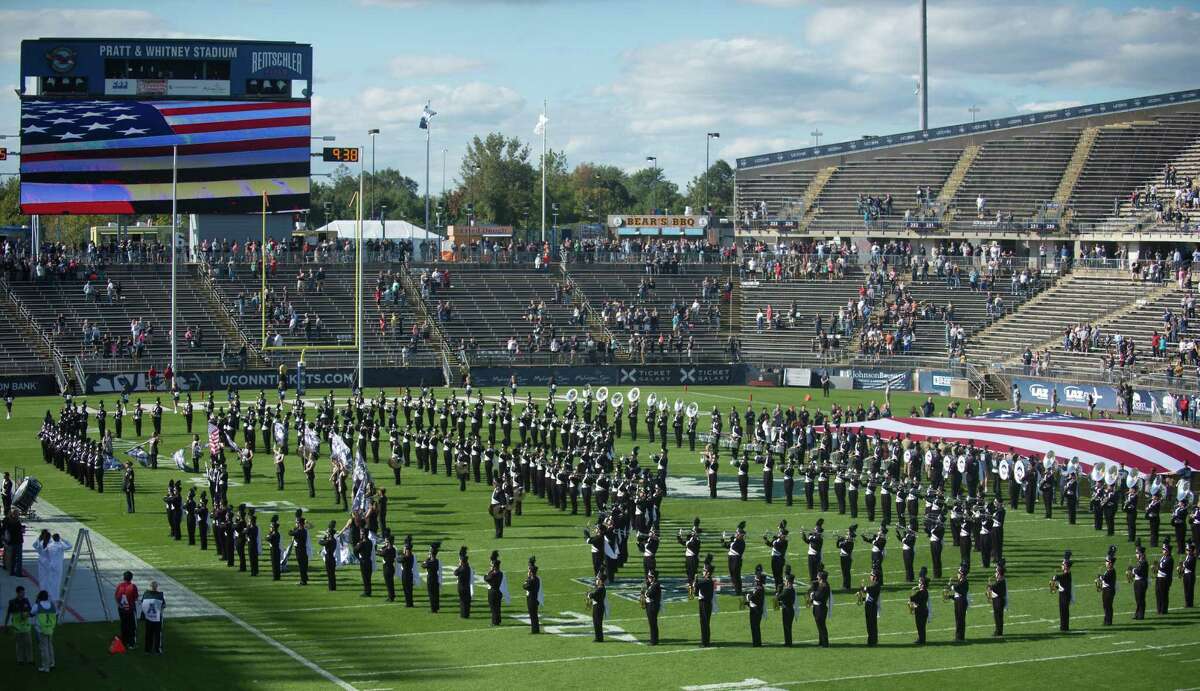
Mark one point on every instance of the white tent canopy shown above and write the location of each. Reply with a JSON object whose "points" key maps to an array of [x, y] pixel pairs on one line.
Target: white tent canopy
{"points": [[375, 230]]}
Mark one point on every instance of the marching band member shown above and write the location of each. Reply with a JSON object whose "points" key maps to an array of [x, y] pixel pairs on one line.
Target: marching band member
{"points": [[1187, 571], [737, 548], [918, 604], [599, 605], [409, 573], [497, 587], [871, 607], [821, 599], [1107, 582], [706, 596], [1163, 577], [466, 583], [756, 599], [845, 547], [1062, 585], [533, 595], [787, 605], [1141, 574], [960, 589], [652, 602]]}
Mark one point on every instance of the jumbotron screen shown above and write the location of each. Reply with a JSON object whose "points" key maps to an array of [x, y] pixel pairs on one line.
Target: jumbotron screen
{"points": [[115, 157]]}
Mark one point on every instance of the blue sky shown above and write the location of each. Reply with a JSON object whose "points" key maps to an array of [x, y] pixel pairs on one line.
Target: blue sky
{"points": [[629, 79]]}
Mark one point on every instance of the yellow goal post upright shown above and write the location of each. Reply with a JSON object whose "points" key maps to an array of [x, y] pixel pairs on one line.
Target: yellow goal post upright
{"points": [[357, 345]]}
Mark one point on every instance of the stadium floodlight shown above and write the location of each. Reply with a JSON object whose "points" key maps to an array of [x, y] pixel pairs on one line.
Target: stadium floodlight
{"points": [[324, 138], [707, 142], [372, 132]]}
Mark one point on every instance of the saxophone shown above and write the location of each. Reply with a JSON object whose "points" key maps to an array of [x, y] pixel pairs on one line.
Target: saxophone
{"points": [[861, 595], [988, 589], [1099, 583], [948, 591], [642, 598]]}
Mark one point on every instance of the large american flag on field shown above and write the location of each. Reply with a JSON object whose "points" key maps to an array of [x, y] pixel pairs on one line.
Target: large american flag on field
{"points": [[115, 157], [1145, 446]]}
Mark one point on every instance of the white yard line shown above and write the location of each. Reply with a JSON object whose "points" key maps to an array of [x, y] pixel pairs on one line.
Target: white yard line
{"points": [[524, 663], [982, 665]]}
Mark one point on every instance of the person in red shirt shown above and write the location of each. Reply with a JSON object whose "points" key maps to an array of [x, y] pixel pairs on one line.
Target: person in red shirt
{"points": [[151, 377], [168, 375], [127, 599]]}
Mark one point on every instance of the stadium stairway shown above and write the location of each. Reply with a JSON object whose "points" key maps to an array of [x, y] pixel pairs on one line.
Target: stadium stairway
{"points": [[23, 349], [812, 193], [334, 304], [1014, 176], [234, 333], [490, 304], [898, 176], [1039, 323], [1137, 320], [970, 312], [145, 294], [1128, 157], [1083, 148], [812, 297], [601, 283], [959, 173]]}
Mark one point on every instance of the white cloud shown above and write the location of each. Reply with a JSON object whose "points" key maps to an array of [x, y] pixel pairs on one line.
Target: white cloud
{"points": [[26, 24], [1066, 46], [417, 65]]}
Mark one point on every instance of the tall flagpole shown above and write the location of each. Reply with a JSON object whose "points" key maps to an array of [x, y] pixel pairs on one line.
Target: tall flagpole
{"points": [[428, 132], [174, 222], [544, 126]]}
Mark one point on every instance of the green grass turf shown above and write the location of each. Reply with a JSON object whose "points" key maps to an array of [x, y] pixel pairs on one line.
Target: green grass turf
{"points": [[371, 644]]}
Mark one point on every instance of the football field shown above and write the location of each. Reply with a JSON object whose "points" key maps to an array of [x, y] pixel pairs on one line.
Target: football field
{"points": [[276, 635]]}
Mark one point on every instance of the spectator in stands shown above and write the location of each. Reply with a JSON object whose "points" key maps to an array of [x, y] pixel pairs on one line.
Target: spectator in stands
{"points": [[980, 205]]}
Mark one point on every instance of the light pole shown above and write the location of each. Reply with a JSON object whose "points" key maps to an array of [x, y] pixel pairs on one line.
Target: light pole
{"points": [[444, 174], [371, 205], [816, 135], [973, 110], [653, 183], [383, 221], [707, 166]]}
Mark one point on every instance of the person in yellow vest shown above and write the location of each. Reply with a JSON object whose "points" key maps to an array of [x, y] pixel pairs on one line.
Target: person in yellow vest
{"points": [[18, 619], [45, 618]]}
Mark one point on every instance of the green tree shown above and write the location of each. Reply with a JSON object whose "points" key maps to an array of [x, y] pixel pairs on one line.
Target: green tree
{"points": [[650, 190], [720, 189], [603, 189], [498, 179]]}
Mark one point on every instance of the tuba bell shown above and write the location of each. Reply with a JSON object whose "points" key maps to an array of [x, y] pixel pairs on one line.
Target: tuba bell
{"points": [[651, 400], [602, 394], [1111, 474], [693, 410], [572, 394], [618, 400], [678, 405], [1097, 474], [634, 394]]}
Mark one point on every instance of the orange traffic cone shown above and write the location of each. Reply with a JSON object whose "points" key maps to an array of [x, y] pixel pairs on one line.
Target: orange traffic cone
{"points": [[117, 647]]}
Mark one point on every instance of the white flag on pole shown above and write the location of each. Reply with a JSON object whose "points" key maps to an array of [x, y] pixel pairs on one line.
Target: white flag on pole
{"points": [[540, 127]]}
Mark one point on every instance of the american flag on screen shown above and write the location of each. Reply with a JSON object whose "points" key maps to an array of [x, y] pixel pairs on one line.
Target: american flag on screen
{"points": [[1141, 445], [115, 157]]}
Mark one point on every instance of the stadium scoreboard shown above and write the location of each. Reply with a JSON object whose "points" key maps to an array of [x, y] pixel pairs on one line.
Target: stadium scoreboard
{"points": [[165, 68], [126, 126]]}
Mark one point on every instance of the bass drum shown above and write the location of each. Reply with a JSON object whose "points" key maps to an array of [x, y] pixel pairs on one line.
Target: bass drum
{"points": [[1003, 470], [26, 494]]}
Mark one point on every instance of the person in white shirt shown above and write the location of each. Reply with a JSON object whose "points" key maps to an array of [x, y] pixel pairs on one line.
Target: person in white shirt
{"points": [[51, 550]]}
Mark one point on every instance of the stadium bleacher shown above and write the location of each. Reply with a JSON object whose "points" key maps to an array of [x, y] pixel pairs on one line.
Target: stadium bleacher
{"points": [[616, 293], [141, 297], [392, 345]]}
